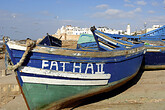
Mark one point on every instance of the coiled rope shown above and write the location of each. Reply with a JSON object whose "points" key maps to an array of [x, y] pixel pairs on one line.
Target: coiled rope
{"points": [[29, 46]]}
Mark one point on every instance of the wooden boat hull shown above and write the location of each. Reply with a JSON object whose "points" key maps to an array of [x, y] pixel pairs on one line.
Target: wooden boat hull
{"points": [[49, 79], [154, 57], [49, 93]]}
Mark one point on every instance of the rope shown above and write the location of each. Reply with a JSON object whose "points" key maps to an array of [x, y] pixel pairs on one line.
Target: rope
{"points": [[30, 45]]}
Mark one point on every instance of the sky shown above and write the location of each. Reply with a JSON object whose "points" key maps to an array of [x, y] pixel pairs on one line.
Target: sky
{"points": [[21, 19]]}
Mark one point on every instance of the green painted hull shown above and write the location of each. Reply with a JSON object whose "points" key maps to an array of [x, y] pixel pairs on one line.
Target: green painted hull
{"points": [[41, 96]]}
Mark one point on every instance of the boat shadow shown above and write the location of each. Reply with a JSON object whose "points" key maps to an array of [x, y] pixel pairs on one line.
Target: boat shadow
{"points": [[110, 94]]}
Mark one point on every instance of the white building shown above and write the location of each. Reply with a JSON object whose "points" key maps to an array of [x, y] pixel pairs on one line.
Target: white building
{"points": [[69, 30], [153, 27], [128, 29], [110, 31]]}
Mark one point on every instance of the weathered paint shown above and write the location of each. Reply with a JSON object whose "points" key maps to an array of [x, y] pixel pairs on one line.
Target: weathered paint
{"points": [[73, 52], [154, 67]]}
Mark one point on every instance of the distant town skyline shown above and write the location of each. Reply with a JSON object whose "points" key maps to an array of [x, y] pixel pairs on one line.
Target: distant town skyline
{"points": [[21, 19]]}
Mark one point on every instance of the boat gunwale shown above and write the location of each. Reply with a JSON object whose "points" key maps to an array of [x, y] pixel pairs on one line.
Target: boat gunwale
{"points": [[154, 67], [76, 52], [155, 48]]}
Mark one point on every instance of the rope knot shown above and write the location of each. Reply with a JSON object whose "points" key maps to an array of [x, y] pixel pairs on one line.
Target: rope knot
{"points": [[30, 45]]}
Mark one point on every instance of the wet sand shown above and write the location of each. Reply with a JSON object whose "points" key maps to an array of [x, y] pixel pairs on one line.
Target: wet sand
{"points": [[145, 92]]}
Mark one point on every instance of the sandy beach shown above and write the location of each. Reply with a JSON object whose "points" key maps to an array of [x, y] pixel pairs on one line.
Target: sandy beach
{"points": [[145, 92]]}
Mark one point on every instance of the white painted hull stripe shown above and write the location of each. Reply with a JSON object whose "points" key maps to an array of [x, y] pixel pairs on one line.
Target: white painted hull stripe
{"points": [[153, 50], [107, 39], [47, 72], [40, 80], [105, 46], [15, 46]]}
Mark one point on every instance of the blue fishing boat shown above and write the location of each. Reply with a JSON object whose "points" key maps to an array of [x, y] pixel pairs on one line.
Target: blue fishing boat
{"points": [[155, 54], [107, 42], [53, 77], [155, 47]]}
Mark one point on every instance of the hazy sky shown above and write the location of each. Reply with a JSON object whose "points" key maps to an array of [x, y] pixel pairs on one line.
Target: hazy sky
{"points": [[20, 19]]}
